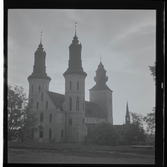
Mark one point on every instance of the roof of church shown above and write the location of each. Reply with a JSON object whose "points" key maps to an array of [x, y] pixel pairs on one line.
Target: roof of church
{"points": [[101, 86], [91, 109], [57, 99]]}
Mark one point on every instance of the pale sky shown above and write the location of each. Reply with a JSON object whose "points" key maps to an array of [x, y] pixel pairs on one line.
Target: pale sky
{"points": [[124, 38]]}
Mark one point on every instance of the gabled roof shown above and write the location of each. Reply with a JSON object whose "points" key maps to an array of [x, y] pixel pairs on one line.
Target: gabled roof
{"points": [[57, 99], [91, 109]]}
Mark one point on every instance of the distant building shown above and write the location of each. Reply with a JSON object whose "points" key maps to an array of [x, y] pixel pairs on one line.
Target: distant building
{"points": [[65, 118]]}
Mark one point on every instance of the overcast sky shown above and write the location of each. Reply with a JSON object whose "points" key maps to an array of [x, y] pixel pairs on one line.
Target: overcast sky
{"points": [[124, 38]]}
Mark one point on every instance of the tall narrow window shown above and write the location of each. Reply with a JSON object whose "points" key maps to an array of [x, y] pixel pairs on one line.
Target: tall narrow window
{"points": [[40, 132], [83, 85], [70, 99], [32, 88], [62, 134], [70, 121], [70, 85], [41, 96], [77, 104], [77, 85], [37, 105], [32, 131], [50, 133], [41, 117], [31, 101], [39, 89], [83, 121], [46, 104], [83, 104], [50, 117]]}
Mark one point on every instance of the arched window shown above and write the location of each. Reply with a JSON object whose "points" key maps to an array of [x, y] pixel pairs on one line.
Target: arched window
{"points": [[41, 96], [39, 89], [77, 85], [32, 88], [32, 131], [41, 132], [50, 117], [83, 121], [83, 104], [70, 121], [70, 85], [50, 133], [62, 134], [31, 101], [77, 104], [70, 99], [37, 105], [46, 104], [41, 117]]}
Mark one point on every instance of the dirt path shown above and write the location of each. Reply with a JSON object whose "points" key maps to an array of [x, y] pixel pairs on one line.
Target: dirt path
{"points": [[75, 156]]}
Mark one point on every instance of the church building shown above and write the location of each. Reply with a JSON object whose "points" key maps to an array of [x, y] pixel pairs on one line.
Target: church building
{"points": [[64, 118]]}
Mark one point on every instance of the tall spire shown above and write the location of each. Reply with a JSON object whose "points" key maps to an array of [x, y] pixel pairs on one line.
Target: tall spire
{"points": [[39, 68], [127, 116], [75, 62], [127, 109]]}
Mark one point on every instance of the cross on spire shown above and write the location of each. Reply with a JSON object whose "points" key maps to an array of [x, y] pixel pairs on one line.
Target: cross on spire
{"points": [[75, 28], [41, 38], [100, 57]]}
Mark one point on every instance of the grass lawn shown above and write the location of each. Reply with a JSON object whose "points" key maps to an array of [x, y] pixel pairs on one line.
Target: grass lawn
{"points": [[27, 152]]}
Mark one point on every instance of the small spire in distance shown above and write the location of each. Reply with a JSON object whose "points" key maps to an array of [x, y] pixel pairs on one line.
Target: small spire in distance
{"points": [[41, 38]]}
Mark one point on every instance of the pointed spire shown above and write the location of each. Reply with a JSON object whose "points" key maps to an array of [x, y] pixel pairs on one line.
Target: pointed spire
{"points": [[127, 109]]}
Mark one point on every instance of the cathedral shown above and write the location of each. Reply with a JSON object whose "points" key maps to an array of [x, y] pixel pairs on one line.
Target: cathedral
{"points": [[65, 118]]}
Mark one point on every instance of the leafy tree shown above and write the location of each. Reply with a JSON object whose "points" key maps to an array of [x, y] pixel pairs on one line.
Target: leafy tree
{"points": [[104, 134], [134, 132], [150, 121], [20, 119], [17, 103], [153, 71], [137, 119]]}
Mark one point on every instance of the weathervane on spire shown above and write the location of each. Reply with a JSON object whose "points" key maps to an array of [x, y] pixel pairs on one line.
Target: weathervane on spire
{"points": [[41, 38], [75, 27], [100, 57]]}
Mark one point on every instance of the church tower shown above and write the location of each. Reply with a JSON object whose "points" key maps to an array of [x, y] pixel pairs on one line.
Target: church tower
{"points": [[38, 80], [127, 116], [101, 93], [75, 94]]}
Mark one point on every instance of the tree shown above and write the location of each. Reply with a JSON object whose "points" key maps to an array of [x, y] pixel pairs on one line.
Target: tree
{"points": [[134, 132], [29, 128], [104, 134], [153, 71], [17, 103], [150, 122], [20, 119]]}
